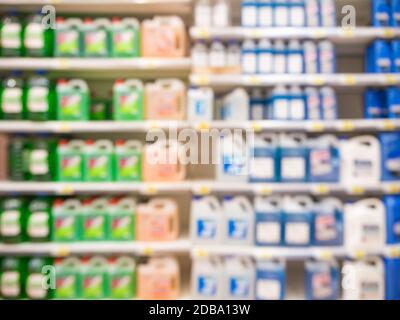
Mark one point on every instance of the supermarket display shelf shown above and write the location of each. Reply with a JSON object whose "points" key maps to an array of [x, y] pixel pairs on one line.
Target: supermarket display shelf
{"points": [[62, 127], [337, 35], [196, 187], [180, 246], [292, 253], [340, 80]]}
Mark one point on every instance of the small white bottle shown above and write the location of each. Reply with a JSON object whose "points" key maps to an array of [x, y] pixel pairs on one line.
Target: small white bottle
{"points": [[217, 56], [265, 57], [310, 57], [328, 13], [280, 57], [281, 18], [297, 106], [280, 103], [221, 13], [202, 13], [327, 59], [233, 54], [329, 109], [239, 278], [199, 55], [266, 13], [297, 13], [295, 57], [200, 104], [249, 13], [313, 103], [312, 13], [249, 57]]}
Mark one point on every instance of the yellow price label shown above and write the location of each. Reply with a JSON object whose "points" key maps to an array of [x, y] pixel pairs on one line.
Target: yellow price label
{"points": [[203, 33], [64, 64], [388, 125], [148, 251], [265, 255], [201, 253], [150, 189], [393, 189], [202, 80], [264, 191], [255, 33], [150, 64], [394, 252], [154, 125], [203, 191], [253, 80], [317, 126], [388, 33], [318, 81], [63, 128], [348, 33], [357, 190], [390, 79], [66, 190], [203, 126], [350, 80], [63, 251], [359, 254], [322, 189], [325, 255], [257, 127], [320, 34], [347, 126]]}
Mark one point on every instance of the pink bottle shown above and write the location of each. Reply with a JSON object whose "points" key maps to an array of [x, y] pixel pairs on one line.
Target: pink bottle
{"points": [[165, 100], [163, 37], [159, 279], [157, 220], [162, 162]]}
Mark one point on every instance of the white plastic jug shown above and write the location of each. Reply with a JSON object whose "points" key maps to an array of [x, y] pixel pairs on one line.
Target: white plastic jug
{"points": [[206, 220], [236, 106], [239, 278], [363, 280], [268, 220], [365, 225], [238, 221], [207, 279], [200, 104]]}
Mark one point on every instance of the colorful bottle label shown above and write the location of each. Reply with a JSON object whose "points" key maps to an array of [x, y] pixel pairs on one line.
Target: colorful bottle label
{"points": [[94, 227], [38, 225], [34, 36], [38, 162], [96, 42], [121, 227], [12, 100], [11, 36], [34, 286], [10, 284], [65, 228], [68, 42], [10, 223], [37, 99]]}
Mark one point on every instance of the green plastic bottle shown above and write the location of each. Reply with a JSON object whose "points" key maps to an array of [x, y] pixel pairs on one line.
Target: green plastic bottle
{"points": [[38, 224], [11, 35], [128, 160], [95, 278], [128, 100], [17, 158], [122, 278], [73, 100], [38, 41], [12, 278], [13, 220], [69, 278], [96, 37], [121, 219], [68, 37], [38, 280], [41, 159], [99, 109], [70, 160], [40, 98], [67, 216], [94, 219], [99, 161], [12, 97], [125, 37]]}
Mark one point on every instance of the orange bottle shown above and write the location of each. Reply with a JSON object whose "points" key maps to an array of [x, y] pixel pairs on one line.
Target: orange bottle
{"points": [[162, 162], [165, 99], [164, 37], [159, 279], [157, 220]]}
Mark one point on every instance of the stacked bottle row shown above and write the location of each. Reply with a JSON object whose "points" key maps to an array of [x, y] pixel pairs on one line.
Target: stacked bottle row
{"points": [[381, 104], [121, 218], [162, 36], [296, 221], [242, 278], [383, 57], [89, 278]]}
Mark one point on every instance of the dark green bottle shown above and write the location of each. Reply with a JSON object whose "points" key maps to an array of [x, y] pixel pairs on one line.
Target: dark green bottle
{"points": [[16, 158], [40, 98], [40, 279], [12, 220], [38, 220], [11, 35], [12, 98], [12, 278], [41, 159], [38, 40]]}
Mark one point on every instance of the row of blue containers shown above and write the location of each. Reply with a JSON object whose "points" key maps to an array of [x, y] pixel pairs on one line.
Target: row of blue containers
{"points": [[385, 13], [383, 57], [381, 104]]}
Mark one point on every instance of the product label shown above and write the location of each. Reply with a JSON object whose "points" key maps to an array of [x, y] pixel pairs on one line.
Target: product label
{"points": [[206, 229], [281, 16], [37, 99], [262, 168], [265, 16], [325, 228], [295, 63], [168, 104], [34, 36], [249, 63], [98, 167], [10, 284], [217, 59], [96, 42], [207, 286], [362, 168], [124, 41], [281, 109], [297, 233], [93, 286], [265, 62], [234, 165], [38, 162], [293, 168], [297, 109], [65, 228], [34, 287], [199, 59], [322, 285], [66, 286], [237, 229], [38, 225], [68, 42], [11, 36], [297, 17], [269, 232], [121, 286], [129, 104], [12, 100], [71, 166], [370, 290], [10, 223], [268, 289], [94, 227], [71, 105], [249, 16], [129, 167], [370, 233], [321, 162], [239, 287], [122, 227]]}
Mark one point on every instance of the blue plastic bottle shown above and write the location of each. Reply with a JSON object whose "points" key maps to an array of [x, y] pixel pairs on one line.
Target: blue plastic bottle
{"points": [[322, 280], [392, 278], [257, 105], [378, 57], [392, 96], [395, 49], [392, 204], [374, 105], [268, 225], [390, 155], [395, 13], [380, 13], [328, 223], [270, 280]]}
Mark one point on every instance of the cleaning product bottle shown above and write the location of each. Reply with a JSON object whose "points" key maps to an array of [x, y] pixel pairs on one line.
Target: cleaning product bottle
{"points": [[390, 150], [67, 216], [297, 17], [266, 13], [157, 220], [295, 57], [329, 104], [12, 102], [70, 160], [393, 102], [125, 37], [236, 105], [159, 279], [297, 104], [17, 158], [165, 100], [73, 100], [311, 58], [232, 158], [249, 13], [200, 57], [268, 221], [395, 50], [4, 142], [297, 220], [206, 278], [11, 43], [121, 221], [270, 280], [264, 159], [265, 57], [380, 13], [392, 278], [40, 100], [238, 221], [203, 13], [200, 104], [95, 219], [313, 103], [233, 56], [95, 279], [328, 223], [281, 11], [378, 57], [39, 220], [322, 280], [280, 103], [128, 100], [41, 159], [206, 220], [328, 13], [395, 11], [392, 205], [13, 220], [239, 278], [324, 159], [122, 278], [257, 105], [128, 160], [221, 13], [313, 13], [12, 278], [249, 57], [98, 161], [327, 57], [35, 279], [38, 41], [100, 108], [68, 37], [280, 57], [96, 37], [68, 278], [294, 158], [364, 223]]}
